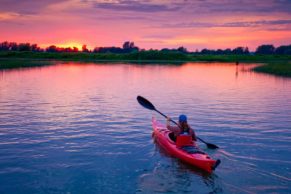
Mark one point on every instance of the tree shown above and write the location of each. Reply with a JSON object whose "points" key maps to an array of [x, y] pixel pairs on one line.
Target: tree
{"points": [[35, 48], [75, 49], [182, 49], [246, 50], [227, 51], [165, 50], [129, 47], [238, 50], [265, 49], [96, 49], [52, 48], [24, 47], [283, 50], [13, 46], [219, 51], [207, 51], [4, 46], [108, 50], [84, 49]]}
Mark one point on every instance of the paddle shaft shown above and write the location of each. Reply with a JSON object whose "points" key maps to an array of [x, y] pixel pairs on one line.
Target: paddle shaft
{"points": [[167, 117]]}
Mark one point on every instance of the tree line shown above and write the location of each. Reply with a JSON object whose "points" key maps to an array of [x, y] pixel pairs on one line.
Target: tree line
{"points": [[129, 47]]}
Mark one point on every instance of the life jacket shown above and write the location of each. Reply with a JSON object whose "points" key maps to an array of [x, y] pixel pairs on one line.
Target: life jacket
{"points": [[184, 139]]}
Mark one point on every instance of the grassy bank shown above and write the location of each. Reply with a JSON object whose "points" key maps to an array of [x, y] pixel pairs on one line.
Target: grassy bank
{"points": [[145, 56], [10, 63], [275, 64], [281, 69]]}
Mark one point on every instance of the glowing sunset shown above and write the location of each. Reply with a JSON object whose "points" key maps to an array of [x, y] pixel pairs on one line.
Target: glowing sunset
{"points": [[149, 23]]}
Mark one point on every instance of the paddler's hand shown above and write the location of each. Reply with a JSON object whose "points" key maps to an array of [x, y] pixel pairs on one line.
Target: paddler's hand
{"points": [[168, 118]]}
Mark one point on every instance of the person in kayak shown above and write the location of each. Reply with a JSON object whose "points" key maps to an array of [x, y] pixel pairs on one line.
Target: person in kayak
{"points": [[183, 128]]}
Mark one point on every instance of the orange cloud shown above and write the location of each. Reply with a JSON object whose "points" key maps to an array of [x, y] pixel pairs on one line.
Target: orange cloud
{"points": [[8, 15]]}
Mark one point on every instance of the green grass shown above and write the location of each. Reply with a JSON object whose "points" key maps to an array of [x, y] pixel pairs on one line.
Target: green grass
{"points": [[281, 69], [144, 55], [241, 58], [276, 64], [19, 63]]}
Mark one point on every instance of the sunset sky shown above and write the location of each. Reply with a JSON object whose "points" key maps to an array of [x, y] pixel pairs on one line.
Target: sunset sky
{"points": [[194, 24]]}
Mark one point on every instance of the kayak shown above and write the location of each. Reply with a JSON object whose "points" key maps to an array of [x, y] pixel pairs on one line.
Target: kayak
{"points": [[188, 153]]}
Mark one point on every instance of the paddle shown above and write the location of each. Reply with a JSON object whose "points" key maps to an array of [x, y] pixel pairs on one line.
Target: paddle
{"points": [[147, 104]]}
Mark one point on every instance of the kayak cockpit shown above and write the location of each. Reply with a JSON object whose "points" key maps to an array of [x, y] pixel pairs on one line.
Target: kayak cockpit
{"points": [[188, 148], [192, 150], [172, 137]]}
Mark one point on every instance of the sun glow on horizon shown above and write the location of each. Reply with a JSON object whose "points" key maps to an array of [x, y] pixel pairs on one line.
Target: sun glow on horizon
{"points": [[69, 44]]}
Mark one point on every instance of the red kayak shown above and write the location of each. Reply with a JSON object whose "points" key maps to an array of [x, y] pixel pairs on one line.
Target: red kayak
{"points": [[183, 149]]}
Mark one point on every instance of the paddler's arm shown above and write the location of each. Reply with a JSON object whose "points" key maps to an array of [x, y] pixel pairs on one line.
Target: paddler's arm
{"points": [[168, 122], [171, 128]]}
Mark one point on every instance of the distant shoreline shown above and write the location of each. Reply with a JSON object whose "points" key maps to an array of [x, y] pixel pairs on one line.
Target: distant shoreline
{"points": [[273, 64]]}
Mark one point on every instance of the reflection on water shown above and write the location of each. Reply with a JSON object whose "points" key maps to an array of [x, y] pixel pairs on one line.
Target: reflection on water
{"points": [[77, 128]]}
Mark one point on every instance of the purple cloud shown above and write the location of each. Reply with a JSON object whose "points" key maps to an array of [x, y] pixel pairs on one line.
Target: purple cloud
{"points": [[229, 24], [27, 6], [136, 6]]}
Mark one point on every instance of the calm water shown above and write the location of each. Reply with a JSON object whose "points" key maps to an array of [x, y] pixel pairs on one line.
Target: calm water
{"points": [[77, 128]]}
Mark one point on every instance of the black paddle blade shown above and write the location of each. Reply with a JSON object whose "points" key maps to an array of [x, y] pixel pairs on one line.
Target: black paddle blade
{"points": [[145, 103], [209, 145], [212, 146]]}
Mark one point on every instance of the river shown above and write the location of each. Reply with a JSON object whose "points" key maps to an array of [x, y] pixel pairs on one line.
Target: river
{"points": [[77, 128]]}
